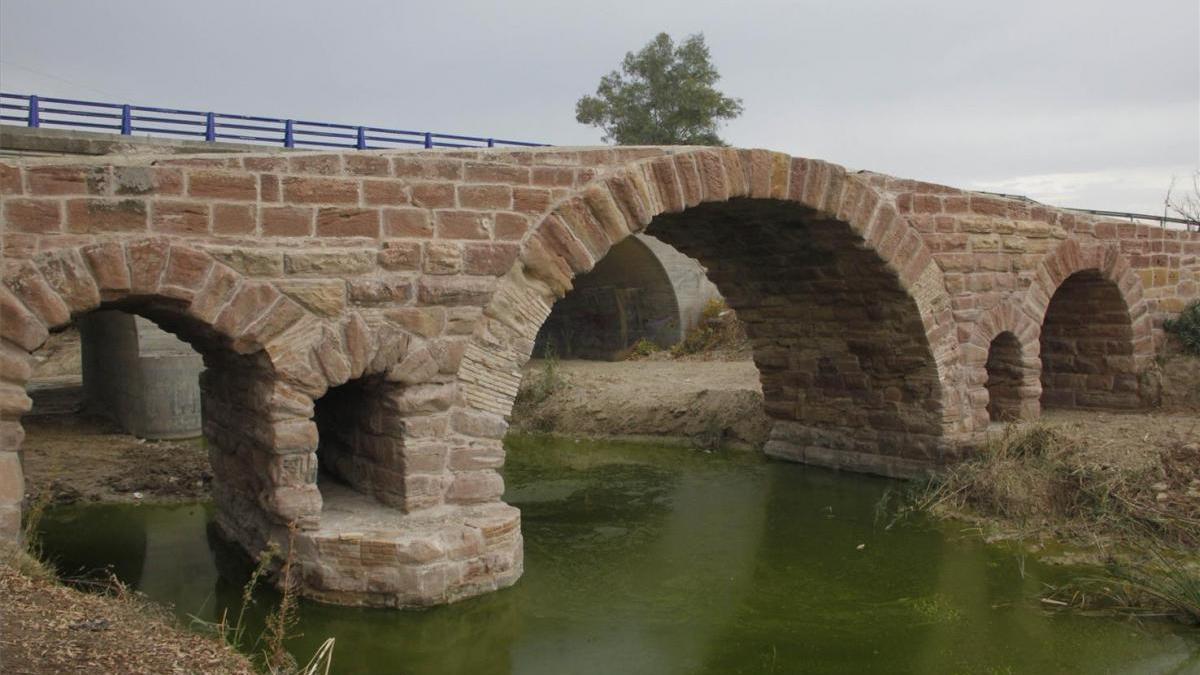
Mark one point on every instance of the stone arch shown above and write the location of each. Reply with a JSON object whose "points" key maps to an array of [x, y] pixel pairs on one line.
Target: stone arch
{"points": [[852, 213], [262, 352], [1096, 340], [1014, 368]]}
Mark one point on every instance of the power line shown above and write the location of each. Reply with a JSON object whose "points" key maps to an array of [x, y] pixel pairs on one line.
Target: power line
{"points": [[52, 76]]}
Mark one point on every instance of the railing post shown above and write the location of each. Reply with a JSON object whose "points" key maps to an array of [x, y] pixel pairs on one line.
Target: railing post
{"points": [[491, 142], [428, 139], [289, 140], [361, 144], [34, 118], [210, 127], [126, 120]]}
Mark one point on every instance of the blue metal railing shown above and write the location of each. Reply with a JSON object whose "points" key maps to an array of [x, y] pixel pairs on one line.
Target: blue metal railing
{"points": [[126, 119]]}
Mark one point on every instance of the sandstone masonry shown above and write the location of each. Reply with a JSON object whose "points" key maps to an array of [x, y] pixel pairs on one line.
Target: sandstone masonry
{"points": [[368, 313]]}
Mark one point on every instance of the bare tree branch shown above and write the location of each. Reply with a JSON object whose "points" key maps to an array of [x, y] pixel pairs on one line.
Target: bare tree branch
{"points": [[1185, 203]]}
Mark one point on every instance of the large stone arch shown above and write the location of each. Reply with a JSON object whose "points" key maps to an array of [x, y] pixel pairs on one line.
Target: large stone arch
{"points": [[1104, 288], [624, 200]]}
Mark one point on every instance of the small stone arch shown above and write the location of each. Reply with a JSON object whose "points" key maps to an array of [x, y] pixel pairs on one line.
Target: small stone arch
{"points": [[1010, 367], [1095, 328], [621, 201]]}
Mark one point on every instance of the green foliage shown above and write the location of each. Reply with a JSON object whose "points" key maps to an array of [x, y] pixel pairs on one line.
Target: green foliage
{"points": [[663, 95], [1187, 327], [31, 532], [26, 556], [713, 309], [643, 348]]}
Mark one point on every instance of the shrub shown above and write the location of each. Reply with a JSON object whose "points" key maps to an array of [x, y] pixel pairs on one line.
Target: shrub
{"points": [[1186, 327], [643, 348]]}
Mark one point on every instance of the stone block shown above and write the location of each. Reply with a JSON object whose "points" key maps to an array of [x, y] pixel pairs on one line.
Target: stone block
{"points": [[335, 221], [221, 185], [469, 487], [328, 263]]}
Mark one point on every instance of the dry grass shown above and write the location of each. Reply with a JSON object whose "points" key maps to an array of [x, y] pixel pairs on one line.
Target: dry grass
{"points": [[90, 626], [47, 627], [1137, 513], [1045, 481]]}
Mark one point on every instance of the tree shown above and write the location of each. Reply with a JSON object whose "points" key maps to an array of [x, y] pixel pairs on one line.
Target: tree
{"points": [[663, 95], [1185, 205]]}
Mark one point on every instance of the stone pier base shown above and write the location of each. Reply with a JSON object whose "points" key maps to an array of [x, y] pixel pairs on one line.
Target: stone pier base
{"points": [[891, 454], [371, 555]]}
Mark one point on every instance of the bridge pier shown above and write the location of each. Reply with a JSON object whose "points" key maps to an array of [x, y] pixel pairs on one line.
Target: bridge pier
{"points": [[142, 377]]}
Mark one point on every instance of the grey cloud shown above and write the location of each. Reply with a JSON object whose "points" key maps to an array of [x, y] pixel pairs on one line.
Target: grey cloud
{"points": [[961, 92]]}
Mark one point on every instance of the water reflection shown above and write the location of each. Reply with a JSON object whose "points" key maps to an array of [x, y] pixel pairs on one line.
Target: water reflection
{"points": [[643, 560]]}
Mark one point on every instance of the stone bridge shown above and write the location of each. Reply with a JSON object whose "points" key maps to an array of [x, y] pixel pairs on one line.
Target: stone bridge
{"points": [[368, 314]]}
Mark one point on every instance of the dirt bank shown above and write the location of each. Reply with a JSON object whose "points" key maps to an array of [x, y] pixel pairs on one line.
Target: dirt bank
{"points": [[48, 628], [87, 457], [674, 400]]}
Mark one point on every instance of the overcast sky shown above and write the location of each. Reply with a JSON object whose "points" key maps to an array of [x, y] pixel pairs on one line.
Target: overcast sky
{"points": [[1088, 103]]}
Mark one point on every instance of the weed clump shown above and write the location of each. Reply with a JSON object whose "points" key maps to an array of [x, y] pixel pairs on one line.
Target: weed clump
{"points": [[1186, 327], [1040, 478], [536, 389], [1162, 586], [643, 348], [719, 329], [542, 384]]}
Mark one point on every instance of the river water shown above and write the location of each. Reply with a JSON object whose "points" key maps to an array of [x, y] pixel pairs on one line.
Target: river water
{"points": [[644, 559]]}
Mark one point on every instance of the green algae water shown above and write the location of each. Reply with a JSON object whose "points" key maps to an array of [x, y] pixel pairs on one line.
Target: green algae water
{"points": [[642, 559]]}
